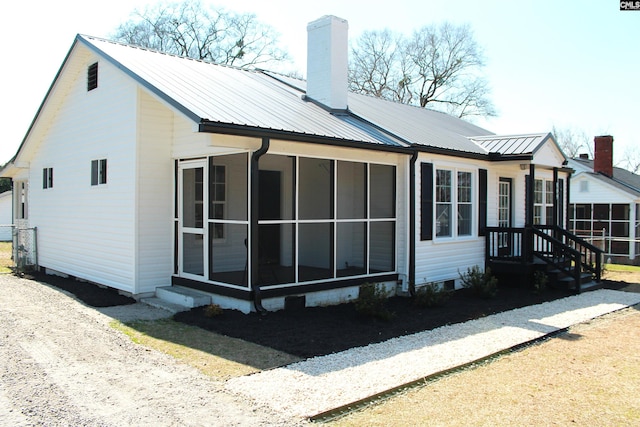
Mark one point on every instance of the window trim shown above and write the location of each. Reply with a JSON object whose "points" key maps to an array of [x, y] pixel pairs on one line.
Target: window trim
{"points": [[92, 77], [99, 168], [47, 178], [455, 204]]}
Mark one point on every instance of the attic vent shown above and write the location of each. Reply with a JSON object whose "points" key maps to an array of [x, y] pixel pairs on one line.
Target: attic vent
{"points": [[92, 77]]}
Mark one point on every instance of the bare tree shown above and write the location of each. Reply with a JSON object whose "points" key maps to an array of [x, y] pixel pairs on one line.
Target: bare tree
{"points": [[573, 142], [437, 67], [631, 160], [210, 34]]}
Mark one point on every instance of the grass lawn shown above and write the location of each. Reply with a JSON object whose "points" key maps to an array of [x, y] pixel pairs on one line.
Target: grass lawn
{"points": [[621, 267], [215, 355], [5, 257]]}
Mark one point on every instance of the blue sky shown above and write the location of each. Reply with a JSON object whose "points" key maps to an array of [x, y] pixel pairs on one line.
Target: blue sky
{"points": [[570, 64]]}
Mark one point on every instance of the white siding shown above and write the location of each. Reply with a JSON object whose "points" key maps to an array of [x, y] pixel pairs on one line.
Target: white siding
{"points": [[154, 195], [83, 230], [548, 155], [598, 191], [443, 259], [6, 216]]}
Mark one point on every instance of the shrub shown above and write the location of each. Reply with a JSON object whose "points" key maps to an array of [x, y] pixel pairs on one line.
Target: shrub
{"points": [[372, 300], [213, 310], [483, 284], [430, 296], [539, 282]]}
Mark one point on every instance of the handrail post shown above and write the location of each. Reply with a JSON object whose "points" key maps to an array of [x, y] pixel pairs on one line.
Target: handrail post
{"points": [[577, 274]]}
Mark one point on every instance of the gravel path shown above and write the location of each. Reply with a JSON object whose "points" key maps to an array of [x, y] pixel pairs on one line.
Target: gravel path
{"points": [[319, 384], [61, 364]]}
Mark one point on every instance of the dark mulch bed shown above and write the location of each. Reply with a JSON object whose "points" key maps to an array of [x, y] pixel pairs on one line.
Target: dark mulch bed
{"points": [[89, 293], [316, 331]]}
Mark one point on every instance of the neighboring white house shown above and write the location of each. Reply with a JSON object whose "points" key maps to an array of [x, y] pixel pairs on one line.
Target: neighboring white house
{"points": [[253, 186], [6, 217], [605, 204]]}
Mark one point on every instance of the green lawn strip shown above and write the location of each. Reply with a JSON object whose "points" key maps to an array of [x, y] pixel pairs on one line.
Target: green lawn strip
{"points": [[217, 356], [621, 267]]}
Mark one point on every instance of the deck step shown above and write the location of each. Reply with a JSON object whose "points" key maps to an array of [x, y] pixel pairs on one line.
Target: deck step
{"points": [[181, 296]]}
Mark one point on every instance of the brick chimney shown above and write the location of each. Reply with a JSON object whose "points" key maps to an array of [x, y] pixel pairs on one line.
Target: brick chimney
{"points": [[327, 61], [603, 157]]}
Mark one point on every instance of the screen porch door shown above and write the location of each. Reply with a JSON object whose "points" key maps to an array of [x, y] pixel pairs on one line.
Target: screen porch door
{"points": [[192, 247]]}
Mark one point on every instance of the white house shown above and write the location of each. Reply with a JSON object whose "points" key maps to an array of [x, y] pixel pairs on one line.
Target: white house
{"points": [[605, 204], [253, 187], [6, 216]]}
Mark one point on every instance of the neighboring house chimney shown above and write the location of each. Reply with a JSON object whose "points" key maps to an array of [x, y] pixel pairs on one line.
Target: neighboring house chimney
{"points": [[327, 61], [603, 158]]}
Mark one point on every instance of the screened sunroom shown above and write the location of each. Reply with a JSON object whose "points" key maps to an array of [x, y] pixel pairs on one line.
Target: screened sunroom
{"points": [[287, 221]]}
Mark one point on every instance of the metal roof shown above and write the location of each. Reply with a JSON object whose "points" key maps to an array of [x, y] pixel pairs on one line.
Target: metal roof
{"points": [[512, 144], [219, 94], [419, 126]]}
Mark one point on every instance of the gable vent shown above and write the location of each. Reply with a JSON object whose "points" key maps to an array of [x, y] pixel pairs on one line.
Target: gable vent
{"points": [[92, 77]]}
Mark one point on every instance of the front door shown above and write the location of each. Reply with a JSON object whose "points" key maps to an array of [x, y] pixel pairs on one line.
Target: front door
{"points": [[192, 214], [504, 215]]}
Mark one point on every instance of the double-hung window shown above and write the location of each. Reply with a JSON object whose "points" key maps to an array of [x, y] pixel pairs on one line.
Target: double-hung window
{"points": [[542, 201], [454, 203]]}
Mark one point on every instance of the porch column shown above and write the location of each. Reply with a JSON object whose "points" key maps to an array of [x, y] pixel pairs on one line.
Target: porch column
{"points": [[530, 188], [556, 208], [568, 203], [632, 230]]}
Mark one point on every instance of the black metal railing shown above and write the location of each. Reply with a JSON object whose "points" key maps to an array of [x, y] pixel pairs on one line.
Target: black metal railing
{"points": [[590, 255], [568, 253]]}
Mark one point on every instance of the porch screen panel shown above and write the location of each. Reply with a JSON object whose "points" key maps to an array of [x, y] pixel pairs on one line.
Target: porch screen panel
{"points": [[277, 187], [315, 188], [620, 229], [315, 252], [276, 254], [228, 260], [351, 250], [383, 191], [193, 253], [382, 247], [228, 218], [351, 190], [228, 177]]}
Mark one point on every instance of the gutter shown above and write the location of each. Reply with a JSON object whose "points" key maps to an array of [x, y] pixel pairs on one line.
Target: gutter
{"points": [[253, 256]]}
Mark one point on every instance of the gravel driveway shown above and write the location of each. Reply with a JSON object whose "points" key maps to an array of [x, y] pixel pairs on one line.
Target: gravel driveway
{"points": [[61, 364]]}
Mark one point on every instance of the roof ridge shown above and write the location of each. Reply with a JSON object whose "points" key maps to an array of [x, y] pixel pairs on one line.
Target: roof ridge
{"points": [[152, 50]]}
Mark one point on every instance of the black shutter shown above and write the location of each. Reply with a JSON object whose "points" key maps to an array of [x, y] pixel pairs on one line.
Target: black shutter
{"points": [[426, 201], [44, 178], [482, 203]]}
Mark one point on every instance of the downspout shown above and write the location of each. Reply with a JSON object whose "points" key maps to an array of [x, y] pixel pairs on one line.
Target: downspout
{"points": [[412, 223], [253, 224]]}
